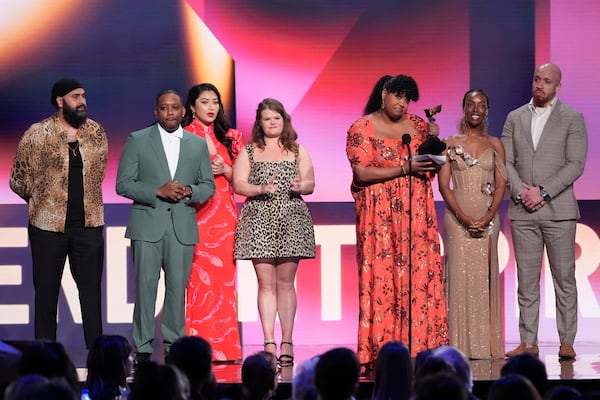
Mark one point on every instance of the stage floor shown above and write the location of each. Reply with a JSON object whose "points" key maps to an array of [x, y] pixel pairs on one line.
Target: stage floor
{"points": [[583, 373], [585, 367]]}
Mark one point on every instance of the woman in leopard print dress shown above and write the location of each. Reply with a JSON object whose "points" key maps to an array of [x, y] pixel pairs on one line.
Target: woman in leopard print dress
{"points": [[274, 228]]}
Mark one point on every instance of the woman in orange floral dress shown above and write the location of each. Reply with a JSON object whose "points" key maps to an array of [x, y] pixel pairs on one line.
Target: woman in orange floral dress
{"points": [[211, 307], [393, 292]]}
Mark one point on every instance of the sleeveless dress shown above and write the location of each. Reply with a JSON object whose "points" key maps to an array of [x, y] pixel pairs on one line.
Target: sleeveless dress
{"points": [[278, 224], [472, 272], [211, 303], [398, 283]]}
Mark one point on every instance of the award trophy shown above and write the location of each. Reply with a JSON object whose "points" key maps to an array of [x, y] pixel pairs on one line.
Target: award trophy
{"points": [[432, 145]]}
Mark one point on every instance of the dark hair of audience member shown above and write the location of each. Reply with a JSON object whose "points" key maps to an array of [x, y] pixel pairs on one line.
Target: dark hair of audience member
{"points": [[154, 381], [193, 356], [259, 373], [562, 392], [529, 366], [336, 374], [432, 366], [393, 373], [51, 360], [57, 389], [513, 387], [10, 357], [109, 363], [25, 387], [443, 385], [303, 386], [37, 387], [421, 357], [459, 362], [591, 395]]}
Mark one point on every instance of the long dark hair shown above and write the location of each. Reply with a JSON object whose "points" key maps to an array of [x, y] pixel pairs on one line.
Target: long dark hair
{"points": [[221, 124], [393, 373], [401, 85], [106, 366], [258, 375], [288, 135], [49, 359]]}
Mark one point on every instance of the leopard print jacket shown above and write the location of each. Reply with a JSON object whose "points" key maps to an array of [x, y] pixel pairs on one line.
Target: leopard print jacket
{"points": [[40, 172]]}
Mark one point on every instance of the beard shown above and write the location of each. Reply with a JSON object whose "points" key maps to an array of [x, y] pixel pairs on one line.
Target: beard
{"points": [[75, 116]]}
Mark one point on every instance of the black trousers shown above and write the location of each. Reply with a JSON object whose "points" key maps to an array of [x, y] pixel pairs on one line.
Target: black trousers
{"points": [[49, 250]]}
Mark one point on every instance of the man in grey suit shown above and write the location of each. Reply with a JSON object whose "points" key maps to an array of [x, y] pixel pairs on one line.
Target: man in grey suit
{"points": [[165, 171], [546, 147]]}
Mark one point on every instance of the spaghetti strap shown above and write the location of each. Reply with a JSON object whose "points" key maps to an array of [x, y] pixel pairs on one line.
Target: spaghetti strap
{"points": [[250, 150]]}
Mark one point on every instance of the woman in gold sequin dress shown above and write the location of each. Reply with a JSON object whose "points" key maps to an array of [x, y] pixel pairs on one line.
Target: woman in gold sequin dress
{"points": [[476, 166]]}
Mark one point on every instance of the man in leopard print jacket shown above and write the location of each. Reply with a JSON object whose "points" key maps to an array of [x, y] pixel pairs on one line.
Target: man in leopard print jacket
{"points": [[58, 170]]}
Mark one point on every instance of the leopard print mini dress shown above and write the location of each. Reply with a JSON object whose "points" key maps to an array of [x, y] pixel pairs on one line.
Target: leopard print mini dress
{"points": [[274, 225]]}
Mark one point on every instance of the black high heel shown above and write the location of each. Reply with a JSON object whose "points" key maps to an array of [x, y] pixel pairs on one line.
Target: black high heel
{"points": [[286, 360], [271, 343]]}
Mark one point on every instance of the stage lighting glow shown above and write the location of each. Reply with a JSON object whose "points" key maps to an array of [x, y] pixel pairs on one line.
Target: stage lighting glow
{"points": [[26, 26], [209, 60]]}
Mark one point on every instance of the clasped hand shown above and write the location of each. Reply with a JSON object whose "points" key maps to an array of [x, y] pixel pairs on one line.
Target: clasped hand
{"points": [[269, 187], [173, 191], [433, 129], [531, 198], [296, 185], [218, 165], [476, 227]]}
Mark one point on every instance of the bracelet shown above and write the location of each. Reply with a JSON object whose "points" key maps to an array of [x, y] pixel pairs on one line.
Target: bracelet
{"points": [[403, 170]]}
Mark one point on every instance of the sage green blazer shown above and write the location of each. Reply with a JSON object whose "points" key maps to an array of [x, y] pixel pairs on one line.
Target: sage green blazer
{"points": [[143, 168]]}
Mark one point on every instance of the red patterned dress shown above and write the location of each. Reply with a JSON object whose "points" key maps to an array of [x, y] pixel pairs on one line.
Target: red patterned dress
{"points": [[211, 306], [387, 283]]}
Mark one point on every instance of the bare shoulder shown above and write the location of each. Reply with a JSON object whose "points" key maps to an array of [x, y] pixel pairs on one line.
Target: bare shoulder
{"points": [[496, 143], [303, 152], [497, 146]]}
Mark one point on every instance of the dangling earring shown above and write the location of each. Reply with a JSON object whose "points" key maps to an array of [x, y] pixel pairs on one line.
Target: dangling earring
{"points": [[382, 104], [193, 114]]}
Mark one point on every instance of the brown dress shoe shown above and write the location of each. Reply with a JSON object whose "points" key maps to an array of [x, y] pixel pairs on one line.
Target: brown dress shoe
{"points": [[566, 351], [522, 348]]}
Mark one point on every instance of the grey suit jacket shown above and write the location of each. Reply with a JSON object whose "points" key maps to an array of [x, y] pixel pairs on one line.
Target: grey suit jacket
{"points": [[143, 168], [556, 163]]}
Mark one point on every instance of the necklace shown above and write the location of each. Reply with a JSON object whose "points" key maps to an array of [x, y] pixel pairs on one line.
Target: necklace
{"points": [[73, 148]]}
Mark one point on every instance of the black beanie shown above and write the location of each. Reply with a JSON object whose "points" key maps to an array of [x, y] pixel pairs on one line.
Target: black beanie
{"points": [[62, 87]]}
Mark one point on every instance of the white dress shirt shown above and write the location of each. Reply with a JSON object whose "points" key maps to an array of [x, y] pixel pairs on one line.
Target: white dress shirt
{"points": [[539, 117], [171, 144]]}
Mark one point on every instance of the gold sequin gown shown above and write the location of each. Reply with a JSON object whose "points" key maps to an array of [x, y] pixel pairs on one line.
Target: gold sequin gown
{"points": [[472, 273]]}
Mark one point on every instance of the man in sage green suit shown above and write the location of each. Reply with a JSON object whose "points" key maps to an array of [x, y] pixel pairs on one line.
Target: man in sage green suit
{"points": [[165, 171]]}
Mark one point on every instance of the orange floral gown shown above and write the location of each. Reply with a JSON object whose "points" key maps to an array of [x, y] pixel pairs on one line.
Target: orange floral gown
{"points": [[387, 283], [211, 306]]}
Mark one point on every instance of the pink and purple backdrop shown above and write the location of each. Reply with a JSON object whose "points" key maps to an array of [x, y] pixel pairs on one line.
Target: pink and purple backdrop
{"points": [[320, 58]]}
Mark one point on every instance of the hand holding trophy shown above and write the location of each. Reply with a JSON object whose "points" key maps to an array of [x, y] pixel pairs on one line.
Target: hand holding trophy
{"points": [[432, 145], [430, 112]]}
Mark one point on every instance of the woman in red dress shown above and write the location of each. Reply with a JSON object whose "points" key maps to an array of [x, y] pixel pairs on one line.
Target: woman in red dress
{"points": [[211, 307], [396, 285]]}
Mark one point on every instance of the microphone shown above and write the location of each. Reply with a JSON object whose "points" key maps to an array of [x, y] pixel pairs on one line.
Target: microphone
{"points": [[406, 138]]}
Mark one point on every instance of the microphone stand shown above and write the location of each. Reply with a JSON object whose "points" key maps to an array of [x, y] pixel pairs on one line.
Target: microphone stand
{"points": [[406, 139]]}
